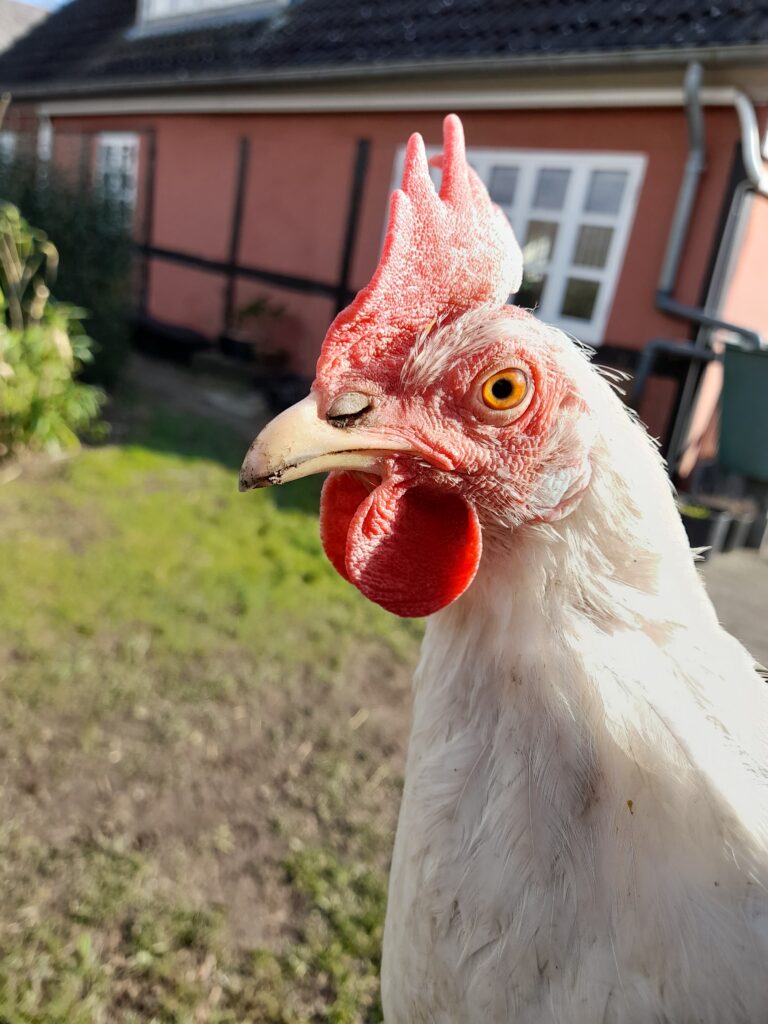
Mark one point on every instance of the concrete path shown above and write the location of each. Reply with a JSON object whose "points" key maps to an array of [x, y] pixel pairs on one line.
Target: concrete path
{"points": [[738, 585], [227, 397]]}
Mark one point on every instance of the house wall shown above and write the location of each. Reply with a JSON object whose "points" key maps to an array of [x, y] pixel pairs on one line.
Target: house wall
{"points": [[745, 303], [21, 118], [298, 192]]}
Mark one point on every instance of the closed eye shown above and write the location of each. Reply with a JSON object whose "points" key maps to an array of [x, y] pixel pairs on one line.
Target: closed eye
{"points": [[348, 409]]}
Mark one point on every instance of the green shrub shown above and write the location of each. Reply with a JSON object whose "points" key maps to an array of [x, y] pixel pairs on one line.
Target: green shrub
{"points": [[96, 253], [42, 347]]}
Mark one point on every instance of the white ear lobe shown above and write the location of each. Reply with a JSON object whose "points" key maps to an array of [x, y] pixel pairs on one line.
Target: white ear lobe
{"points": [[563, 485], [560, 489]]}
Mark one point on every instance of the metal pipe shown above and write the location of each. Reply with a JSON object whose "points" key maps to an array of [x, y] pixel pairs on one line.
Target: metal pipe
{"points": [[649, 356], [750, 143], [703, 319], [694, 166], [758, 180]]}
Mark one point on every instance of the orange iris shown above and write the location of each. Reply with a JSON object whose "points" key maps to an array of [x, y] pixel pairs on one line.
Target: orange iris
{"points": [[505, 390]]}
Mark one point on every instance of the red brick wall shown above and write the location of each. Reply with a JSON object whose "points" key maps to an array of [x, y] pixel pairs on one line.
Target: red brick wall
{"points": [[298, 193]]}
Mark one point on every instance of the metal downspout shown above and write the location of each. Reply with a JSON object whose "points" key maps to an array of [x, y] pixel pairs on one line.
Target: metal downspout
{"points": [[694, 166], [758, 181], [757, 174]]}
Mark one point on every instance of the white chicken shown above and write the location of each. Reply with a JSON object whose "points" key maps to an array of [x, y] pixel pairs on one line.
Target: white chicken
{"points": [[583, 835]]}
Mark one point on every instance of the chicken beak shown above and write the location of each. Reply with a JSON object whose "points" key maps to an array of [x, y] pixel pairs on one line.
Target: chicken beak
{"points": [[300, 442]]}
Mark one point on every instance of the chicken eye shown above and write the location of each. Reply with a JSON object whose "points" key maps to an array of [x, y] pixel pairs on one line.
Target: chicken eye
{"points": [[505, 390]]}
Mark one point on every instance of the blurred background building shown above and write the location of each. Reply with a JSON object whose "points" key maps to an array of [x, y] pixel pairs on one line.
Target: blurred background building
{"points": [[254, 144]]}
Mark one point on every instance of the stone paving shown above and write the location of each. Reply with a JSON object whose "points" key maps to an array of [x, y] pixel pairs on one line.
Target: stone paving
{"points": [[738, 585]]}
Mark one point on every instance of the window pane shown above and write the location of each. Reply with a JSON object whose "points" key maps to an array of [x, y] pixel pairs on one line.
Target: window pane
{"points": [[529, 295], [550, 188], [539, 243], [606, 190], [592, 246], [580, 297], [503, 185], [117, 170]]}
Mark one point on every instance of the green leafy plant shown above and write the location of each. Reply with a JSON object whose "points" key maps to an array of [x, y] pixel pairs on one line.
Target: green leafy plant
{"points": [[42, 347], [262, 308], [96, 250], [257, 335]]}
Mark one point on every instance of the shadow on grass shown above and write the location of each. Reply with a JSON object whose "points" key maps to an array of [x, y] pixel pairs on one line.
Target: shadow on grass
{"points": [[199, 437]]}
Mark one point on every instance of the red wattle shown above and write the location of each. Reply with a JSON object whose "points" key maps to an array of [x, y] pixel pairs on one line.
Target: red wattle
{"points": [[411, 549], [342, 496]]}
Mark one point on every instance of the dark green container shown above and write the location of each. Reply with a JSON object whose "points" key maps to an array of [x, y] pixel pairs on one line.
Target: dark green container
{"points": [[744, 413]]}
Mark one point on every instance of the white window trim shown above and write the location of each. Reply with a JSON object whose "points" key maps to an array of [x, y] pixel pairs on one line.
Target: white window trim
{"points": [[120, 139], [197, 11], [44, 139], [9, 141], [581, 164]]}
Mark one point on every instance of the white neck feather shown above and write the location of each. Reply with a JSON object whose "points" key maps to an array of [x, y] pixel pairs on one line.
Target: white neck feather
{"points": [[589, 752], [599, 630]]}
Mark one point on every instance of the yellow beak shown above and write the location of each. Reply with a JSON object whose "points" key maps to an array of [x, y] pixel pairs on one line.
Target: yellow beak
{"points": [[300, 442]]}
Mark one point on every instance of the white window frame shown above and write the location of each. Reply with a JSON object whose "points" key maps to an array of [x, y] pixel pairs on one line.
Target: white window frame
{"points": [[8, 145], [126, 197], [44, 139], [152, 11], [570, 217]]}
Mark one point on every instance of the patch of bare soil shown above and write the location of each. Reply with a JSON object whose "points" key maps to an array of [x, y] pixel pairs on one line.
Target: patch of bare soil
{"points": [[212, 793]]}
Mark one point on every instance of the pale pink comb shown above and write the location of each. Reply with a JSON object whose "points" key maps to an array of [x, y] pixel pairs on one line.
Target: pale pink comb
{"points": [[443, 254]]}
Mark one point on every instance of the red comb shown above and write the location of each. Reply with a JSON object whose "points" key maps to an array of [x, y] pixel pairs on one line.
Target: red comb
{"points": [[443, 254]]}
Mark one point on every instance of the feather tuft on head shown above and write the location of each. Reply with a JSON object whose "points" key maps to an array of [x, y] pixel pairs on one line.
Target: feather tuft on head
{"points": [[443, 254]]}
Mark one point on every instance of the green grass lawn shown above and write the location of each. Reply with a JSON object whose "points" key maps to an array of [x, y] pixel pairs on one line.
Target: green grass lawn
{"points": [[201, 742]]}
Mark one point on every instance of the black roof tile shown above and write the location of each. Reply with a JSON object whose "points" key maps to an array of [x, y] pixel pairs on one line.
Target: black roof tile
{"points": [[89, 44]]}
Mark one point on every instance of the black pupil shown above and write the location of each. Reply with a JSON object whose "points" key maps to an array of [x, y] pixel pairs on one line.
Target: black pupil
{"points": [[502, 388]]}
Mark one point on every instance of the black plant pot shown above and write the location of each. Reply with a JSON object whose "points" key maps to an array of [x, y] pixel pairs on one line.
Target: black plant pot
{"points": [[740, 528], [284, 390], [707, 527], [164, 341], [742, 511], [758, 531], [237, 348]]}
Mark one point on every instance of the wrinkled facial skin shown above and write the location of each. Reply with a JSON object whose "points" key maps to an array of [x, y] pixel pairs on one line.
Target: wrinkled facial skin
{"points": [[513, 467], [424, 464], [427, 463]]}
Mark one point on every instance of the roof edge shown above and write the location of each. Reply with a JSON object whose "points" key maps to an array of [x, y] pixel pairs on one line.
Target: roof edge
{"points": [[590, 61], [384, 100]]}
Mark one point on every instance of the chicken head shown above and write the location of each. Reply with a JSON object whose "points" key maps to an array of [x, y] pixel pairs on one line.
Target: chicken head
{"points": [[443, 414]]}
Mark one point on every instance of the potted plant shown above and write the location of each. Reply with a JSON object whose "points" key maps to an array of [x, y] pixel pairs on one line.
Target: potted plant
{"points": [[254, 338], [43, 348]]}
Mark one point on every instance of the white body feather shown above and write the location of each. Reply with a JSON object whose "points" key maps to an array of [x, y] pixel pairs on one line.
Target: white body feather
{"points": [[583, 836]]}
